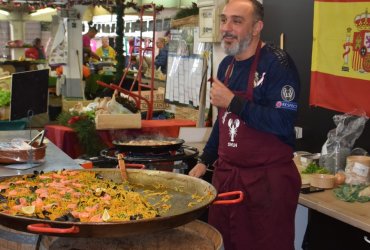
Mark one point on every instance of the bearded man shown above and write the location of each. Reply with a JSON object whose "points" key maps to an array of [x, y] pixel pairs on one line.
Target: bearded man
{"points": [[251, 144]]}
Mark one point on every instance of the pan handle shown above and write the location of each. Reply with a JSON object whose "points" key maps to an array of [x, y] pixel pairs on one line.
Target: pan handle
{"points": [[134, 165], [46, 228], [234, 201]]}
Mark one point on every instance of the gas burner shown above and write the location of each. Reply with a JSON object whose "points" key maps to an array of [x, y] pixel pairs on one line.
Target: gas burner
{"points": [[183, 153], [168, 160]]}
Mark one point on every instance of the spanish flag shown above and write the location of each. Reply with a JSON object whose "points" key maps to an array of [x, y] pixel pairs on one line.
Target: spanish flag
{"points": [[340, 70]]}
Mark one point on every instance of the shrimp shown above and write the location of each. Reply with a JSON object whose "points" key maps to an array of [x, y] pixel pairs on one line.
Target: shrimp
{"points": [[106, 197], [72, 206], [92, 209], [96, 218], [38, 203], [44, 177], [23, 201], [13, 193]]}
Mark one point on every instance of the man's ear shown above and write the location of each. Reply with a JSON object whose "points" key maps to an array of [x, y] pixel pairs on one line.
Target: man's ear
{"points": [[257, 28]]}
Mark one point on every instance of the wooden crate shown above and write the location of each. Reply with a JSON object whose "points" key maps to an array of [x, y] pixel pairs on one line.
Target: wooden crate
{"points": [[158, 100], [118, 121], [186, 21]]}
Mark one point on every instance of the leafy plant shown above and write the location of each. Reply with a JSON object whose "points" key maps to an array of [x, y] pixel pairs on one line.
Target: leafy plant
{"points": [[4, 98], [84, 126], [191, 11]]}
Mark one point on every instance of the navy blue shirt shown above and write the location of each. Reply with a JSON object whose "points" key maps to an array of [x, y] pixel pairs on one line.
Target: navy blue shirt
{"points": [[275, 97], [161, 59]]}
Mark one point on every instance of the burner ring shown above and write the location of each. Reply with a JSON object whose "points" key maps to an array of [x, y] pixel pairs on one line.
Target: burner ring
{"points": [[183, 153]]}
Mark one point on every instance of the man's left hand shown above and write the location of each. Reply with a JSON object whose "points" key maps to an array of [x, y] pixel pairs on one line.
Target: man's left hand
{"points": [[221, 96]]}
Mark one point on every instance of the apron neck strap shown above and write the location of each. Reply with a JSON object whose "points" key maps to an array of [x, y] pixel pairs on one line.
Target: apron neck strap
{"points": [[252, 72], [229, 71]]}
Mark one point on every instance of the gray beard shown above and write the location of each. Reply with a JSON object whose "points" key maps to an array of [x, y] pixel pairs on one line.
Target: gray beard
{"points": [[237, 48]]}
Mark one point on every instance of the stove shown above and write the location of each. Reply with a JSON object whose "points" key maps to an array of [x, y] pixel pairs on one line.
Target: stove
{"points": [[178, 161]]}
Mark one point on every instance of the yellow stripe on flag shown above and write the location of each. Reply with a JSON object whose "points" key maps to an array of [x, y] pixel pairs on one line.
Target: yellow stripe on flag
{"points": [[334, 27]]}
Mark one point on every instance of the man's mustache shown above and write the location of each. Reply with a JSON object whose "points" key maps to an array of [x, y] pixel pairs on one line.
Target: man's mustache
{"points": [[228, 35]]}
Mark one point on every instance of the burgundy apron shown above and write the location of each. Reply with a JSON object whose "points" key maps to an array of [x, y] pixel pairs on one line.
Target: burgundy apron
{"points": [[260, 165]]}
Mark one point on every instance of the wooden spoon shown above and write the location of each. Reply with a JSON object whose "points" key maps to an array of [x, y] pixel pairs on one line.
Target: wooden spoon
{"points": [[122, 166]]}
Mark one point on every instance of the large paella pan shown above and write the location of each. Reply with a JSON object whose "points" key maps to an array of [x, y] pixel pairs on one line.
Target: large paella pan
{"points": [[189, 197]]}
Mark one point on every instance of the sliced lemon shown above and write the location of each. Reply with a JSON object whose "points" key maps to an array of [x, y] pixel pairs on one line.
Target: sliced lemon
{"points": [[28, 210], [106, 215]]}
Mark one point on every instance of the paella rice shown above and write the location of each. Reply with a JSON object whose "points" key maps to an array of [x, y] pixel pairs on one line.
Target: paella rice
{"points": [[78, 196]]}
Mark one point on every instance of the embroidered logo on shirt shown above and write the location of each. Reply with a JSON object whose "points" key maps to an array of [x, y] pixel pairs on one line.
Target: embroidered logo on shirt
{"points": [[224, 116], [287, 93], [258, 80], [233, 130]]}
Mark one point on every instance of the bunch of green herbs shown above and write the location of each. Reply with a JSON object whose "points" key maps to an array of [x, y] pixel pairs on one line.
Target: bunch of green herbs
{"points": [[350, 193], [313, 168]]}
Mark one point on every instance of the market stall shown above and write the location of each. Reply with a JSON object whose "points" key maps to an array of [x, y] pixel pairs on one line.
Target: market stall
{"points": [[66, 138]]}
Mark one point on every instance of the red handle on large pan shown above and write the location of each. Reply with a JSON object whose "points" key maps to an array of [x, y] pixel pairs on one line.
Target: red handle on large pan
{"points": [[46, 228], [134, 165], [233, 201]]}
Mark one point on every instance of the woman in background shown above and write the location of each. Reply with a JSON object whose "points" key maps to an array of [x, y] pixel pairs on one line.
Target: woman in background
{"points": [[161, 58], [106, 51], [36, 51]]}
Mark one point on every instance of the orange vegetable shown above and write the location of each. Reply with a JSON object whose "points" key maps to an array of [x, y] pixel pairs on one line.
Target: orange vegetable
{"points": [[340, 177]]}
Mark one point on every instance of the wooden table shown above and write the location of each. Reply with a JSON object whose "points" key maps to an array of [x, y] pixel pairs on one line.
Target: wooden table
{"points": [[336, 224], [356, 214]]}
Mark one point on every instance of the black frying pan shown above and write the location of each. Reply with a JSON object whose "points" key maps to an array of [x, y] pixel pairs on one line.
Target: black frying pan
{"points": [[123, 146]]}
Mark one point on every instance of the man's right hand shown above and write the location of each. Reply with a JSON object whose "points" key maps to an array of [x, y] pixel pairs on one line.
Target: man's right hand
{"points": [[198, 170]]}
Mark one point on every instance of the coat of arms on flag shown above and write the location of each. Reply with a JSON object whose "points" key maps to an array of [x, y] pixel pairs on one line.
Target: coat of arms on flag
{"points": [[359, 42], [340, 70]]}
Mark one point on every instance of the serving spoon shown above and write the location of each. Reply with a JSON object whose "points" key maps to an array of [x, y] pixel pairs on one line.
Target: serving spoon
{"points": [[122, 166]]}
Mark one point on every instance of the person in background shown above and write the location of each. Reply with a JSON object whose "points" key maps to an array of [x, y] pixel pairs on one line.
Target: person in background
{"points": [[36, 51], [167, 36], [106, 51], [251, 144], [161, 58], [87, 52]]}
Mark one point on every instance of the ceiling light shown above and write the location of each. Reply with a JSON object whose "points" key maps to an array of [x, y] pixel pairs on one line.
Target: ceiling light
{"points": [[43, 11], [4, 12]]}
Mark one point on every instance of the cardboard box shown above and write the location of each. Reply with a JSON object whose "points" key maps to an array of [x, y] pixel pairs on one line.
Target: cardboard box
{"points": [[118, 121], [186, 113], [68, 103], [158, 100]]}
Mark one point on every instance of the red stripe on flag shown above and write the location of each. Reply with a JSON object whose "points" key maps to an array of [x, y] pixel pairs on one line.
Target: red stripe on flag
{"points": [[339, 93]]}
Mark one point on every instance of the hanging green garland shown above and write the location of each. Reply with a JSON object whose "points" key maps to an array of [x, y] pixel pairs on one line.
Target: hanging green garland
{"points": [[120, 8]]}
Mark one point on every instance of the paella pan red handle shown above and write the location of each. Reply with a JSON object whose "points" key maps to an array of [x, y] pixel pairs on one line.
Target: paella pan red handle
{"points": [[46, 228], [233, 201], [134, 165]]}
